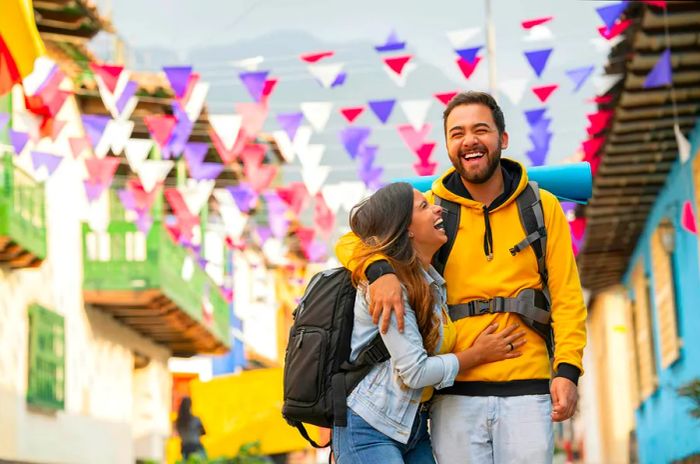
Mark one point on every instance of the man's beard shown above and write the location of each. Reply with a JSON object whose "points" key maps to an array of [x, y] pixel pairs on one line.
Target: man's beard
{"points": [[493, 159]]}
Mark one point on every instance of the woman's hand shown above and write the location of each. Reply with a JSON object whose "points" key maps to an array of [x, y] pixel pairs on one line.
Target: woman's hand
{"points": [[490, 346]]}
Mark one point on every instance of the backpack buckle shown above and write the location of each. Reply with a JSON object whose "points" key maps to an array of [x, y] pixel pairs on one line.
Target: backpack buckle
{"points": [[494, 305]]}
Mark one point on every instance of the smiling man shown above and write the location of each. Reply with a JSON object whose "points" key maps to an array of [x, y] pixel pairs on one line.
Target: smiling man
{"points": [[498, 270]]}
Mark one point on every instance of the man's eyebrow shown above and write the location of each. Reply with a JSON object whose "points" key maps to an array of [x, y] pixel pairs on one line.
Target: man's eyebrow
{"points": [[481, 124], [455, 127]]}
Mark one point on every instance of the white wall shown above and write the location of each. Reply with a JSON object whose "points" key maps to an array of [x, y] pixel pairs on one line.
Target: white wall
{"points": [[111, 414]]}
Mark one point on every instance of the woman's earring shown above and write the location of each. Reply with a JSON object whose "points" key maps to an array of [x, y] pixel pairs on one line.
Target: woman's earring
{"points": [[410, 234]]}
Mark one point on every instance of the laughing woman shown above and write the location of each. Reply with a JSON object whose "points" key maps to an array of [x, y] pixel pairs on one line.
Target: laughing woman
{"points": [[387, 419]]}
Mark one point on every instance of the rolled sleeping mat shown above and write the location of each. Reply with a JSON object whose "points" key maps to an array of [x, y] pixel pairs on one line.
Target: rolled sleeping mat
{"points": [[568, 182]]}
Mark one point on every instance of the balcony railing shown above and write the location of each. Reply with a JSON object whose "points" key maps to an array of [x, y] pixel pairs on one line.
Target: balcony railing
{"points": [[22, 217], [146, 282]]}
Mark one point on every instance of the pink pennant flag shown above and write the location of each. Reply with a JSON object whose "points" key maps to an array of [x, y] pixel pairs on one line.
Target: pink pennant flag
{"points": [[93, 190], [688, 221], [544, 92], [530, 23], [269, 87], [228, 156], [397, 63], [324, 218], [192, 82], [260, 177], [160, 126], [445, 97], [143, 200], [253, 154], [412, 138], [315, 56], [109, 74], [468, 68], [617, 29], [101, 170], [425, 169], [77, 145], [351, 113], [254, 115], [592, 146], [56, 128], [425, 151], [295, 195]]}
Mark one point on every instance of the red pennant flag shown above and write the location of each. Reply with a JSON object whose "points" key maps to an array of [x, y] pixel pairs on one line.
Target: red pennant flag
{"points": [[445, 97], [591, 146], [270, 85], [160, 127], [295, 195], [544, 92], [425, 169], [143, 200], [529, 24], [317, 56], [9, 74], [191, 83], [253, 154], [603, 100], [598, 121], [351, 113], [425, 151], [324, 219], [228, 156], [260, 177], [108, 73], [616, 30], [466, 67], [688, 221], [101, 171], [397, 63]]}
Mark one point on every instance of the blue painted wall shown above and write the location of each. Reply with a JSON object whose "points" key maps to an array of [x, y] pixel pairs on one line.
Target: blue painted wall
{"points": [[665, 430]]}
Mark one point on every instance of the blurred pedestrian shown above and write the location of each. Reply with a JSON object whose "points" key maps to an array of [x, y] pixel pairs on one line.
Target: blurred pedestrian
{"points": [[190, 429]]}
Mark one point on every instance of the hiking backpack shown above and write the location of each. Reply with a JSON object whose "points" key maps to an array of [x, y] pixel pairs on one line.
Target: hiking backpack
{"points": [[318, 375], [532, 305]]}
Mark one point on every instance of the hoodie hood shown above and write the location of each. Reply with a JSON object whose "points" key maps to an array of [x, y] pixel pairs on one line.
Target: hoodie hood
{"points": [[450, 187]]}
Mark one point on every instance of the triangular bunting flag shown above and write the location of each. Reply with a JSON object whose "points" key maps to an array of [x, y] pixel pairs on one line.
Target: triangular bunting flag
{"points": [[77, 145], [468, 68], [425, 168], [382, 109], [353, 138], [530, 23], [352, 113], [178, 76], [538, 33], [688, 221], [416, 111], [461, 37], [514, 89], [469, 54], [683, 144], [254, 115], [610, 13], [425, 151], [317, 113], [661, 74], [101, 171], [445, 97], [392, 44], [18, 140], [108, 73], [579, 75], [290, 122], [311, 155], [617, 29], [227, 127], [160, 126], [413, 138], [544, 92], [397, 63], [254, 82], [95, 126], [326, 73], [316, 56], [314, 178], [137, 151], [153, 172], [48, 160], [538, 59], [604, 83]]}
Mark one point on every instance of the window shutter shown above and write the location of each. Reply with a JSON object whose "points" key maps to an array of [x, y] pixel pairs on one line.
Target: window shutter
{"points": [[45, 386], [664, 301], [644, 333]]}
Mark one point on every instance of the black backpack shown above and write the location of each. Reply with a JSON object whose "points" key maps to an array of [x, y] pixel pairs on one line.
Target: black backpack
{"points": [[317, 373]]}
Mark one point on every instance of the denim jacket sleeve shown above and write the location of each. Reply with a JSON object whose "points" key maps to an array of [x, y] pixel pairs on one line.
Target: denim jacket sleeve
{"points": [[409, 359]]}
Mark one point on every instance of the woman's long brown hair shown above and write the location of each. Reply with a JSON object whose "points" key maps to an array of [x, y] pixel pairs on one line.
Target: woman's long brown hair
{"points": [[381, 222]]}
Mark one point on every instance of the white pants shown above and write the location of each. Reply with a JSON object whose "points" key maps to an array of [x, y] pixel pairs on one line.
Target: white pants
{"points": [[492, 429]]}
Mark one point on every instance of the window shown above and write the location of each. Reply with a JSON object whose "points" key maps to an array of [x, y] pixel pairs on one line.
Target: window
{"points": [[45, 386], [644, 335], [664, 294]]}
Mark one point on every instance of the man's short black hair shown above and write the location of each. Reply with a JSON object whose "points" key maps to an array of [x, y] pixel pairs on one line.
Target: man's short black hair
{"points": [[476, 98]]}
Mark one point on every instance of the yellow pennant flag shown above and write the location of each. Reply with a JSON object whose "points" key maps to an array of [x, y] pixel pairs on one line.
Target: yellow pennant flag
{"points": [[18, 30]]}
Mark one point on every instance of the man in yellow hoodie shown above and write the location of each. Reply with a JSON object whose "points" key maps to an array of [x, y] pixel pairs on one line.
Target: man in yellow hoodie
{"points": [[499, 412]]}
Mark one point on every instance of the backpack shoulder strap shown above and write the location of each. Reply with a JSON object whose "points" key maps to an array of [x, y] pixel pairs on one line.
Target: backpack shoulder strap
{"points": [[450, 218], [532, 219]]}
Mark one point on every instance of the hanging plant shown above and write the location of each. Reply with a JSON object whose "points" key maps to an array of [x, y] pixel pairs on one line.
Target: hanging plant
{"points": [[691, 390]]}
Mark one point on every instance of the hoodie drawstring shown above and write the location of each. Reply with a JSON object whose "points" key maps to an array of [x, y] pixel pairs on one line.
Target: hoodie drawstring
{"points": [[488, 238]]}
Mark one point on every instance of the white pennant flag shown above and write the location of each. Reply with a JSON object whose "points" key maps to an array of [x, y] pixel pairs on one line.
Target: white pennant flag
{"points": [[459, 38], [227, 127], [137, 151], [117, 135], [128, 109], [537, 33], [249, 64], [400, 80], [604, 83], [683, 144], [333, 196], [276, 252], [284, 145], [194, 105], [314, 177], [352, 193], [187, 270], [234, 220], [223, 196], [43, 66], [311, 156], [196, 194], [326, 73], [151, 172], [317, 113], [302, 139], [416, 111], [514, 89]]}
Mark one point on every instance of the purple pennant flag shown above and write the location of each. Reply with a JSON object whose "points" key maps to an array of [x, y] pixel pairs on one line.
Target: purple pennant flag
{"points": [[353, 138], [382, 109], [18, 140], [127, 199], [206, 171], [4, 118], [469, 54], [244, 196], [610, 13], [51, 161], [179, 77], [661, 74], [392, 43], [579, 75], [254, 83], [279, 224], [195, 152], [93, 190], [94, 125], [371, 175], [366, 156], [537, 156], [290, 123], [533, 116], [316, 251], [144, 222], [178, 139], [541, 140], [541, 125], [128, 92], [264, 233], [568, 207], [538, 59], [339, 79]]}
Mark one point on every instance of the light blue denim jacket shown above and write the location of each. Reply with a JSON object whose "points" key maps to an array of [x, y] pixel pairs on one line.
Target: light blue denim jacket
{"points": [[380, 398]]}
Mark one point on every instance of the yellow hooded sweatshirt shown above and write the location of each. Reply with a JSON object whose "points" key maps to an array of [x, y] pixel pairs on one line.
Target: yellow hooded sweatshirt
{"points": [[471, 276]]}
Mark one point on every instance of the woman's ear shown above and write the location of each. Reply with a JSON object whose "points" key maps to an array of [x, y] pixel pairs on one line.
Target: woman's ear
{"points": [[410, 234]]}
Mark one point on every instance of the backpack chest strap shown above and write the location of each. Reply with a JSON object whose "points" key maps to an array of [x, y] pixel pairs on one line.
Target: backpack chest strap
{"points": [[530, 303]]}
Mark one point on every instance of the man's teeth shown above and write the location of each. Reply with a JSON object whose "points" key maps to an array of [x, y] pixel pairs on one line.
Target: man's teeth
{"points": [[469, 156], [438, 224]]}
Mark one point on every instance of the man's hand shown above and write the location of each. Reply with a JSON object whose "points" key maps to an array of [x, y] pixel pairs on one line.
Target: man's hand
{"points": [[564, 398], [384, 297]]}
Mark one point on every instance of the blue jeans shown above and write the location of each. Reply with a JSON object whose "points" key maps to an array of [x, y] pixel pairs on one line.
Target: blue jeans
{"points": [[360, 443], [492, 429]]}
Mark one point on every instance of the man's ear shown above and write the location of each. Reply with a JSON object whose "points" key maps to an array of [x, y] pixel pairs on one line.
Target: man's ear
{"points": [[504, 140]]}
